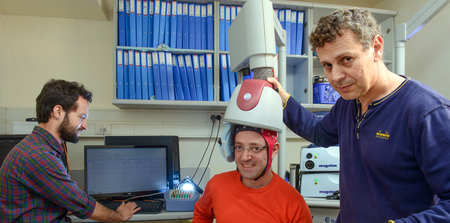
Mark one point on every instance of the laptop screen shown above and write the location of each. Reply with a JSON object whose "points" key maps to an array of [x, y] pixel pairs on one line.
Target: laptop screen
{"points": [[124, 170]]}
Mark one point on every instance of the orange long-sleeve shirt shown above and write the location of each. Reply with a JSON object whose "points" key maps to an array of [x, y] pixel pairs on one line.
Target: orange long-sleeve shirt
{"points": [[228, 200]]}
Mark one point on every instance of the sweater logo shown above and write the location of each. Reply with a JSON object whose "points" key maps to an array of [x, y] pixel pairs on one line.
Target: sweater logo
{"points": [[384, 135]]}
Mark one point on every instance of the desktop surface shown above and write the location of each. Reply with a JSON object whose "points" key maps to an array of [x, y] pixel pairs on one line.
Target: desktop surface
{"points": [[163, 215]]}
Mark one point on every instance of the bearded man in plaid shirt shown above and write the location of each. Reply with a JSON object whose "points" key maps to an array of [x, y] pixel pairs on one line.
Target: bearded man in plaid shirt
{"points": [[34, 183]]}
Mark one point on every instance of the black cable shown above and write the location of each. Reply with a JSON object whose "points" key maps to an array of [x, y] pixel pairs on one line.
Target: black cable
{"points": [[218, 129], [207, 146]]}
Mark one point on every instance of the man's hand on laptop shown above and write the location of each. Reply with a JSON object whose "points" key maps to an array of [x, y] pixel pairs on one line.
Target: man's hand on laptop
{"points": [[127, 210]]}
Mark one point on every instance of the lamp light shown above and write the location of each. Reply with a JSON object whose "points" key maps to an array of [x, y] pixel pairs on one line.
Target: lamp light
{"points": [[187, 184]]}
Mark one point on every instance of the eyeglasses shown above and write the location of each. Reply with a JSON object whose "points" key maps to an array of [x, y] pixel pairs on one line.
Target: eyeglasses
{"points": [[253, 149]]}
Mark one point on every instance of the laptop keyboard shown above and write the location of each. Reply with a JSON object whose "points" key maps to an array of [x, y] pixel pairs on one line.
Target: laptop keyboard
{"points": [[147, 207]]}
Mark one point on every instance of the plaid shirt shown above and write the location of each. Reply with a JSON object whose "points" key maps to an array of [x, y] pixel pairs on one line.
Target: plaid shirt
{"points": [[35, 186]]}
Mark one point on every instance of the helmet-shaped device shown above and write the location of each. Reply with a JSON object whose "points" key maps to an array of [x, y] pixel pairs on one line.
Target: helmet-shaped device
{"points": [[256, 104]]}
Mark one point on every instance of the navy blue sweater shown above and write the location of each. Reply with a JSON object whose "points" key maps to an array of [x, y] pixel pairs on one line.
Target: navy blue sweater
{"points": [[394, 157]]}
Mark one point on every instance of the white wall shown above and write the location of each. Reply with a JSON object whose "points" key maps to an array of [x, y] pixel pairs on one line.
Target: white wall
{"points": [[2, 57], [36, 49], [428, 52], [2, 83]]}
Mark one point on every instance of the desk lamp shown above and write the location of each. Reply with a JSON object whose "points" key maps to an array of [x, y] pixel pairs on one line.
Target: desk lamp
{"points": [[187, 184], [183, 196]]}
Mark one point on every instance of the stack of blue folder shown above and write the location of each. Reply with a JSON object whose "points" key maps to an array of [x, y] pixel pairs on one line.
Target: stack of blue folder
{"points": [[228, 79], [292, 22], [164, 76], [149, 23], [227, 16]]}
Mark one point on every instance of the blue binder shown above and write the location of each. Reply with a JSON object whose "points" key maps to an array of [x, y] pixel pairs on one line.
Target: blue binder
{"points": [[222, 45], [191, 78], [224, 87], [150, 78], [144, 78], [231, 77], [299, 44], [145, 23], [127, 23], [119, 75], [282, 19], [133, 23], [186, 26], [233, 14], [170, 81], [250, 76], [163, 75], [278, 17], [131, 75], [210, 26], [162, 24], [173, 25], [156, 76], [203, 77], [126, 88], [151, 13], [197, 77], [191, 26], [122, 28], [287, 19], [138, 23], [156, 24], [238, 9], [293, 32], [227, 25], [198, 27], [203, 35], [210, 77], [184, 78], [179, 95], [168, 25], [138, 75], [179, 25]]}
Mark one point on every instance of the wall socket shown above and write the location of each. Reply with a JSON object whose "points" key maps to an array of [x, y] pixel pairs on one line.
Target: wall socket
{"points": [[209, 114], [100, 127]]}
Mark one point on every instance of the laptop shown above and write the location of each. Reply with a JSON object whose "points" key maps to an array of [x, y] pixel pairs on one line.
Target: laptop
{"points": [[119, 173]]}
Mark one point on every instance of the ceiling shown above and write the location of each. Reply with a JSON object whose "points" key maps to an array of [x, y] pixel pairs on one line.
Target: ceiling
{"points": [[74, 9]]}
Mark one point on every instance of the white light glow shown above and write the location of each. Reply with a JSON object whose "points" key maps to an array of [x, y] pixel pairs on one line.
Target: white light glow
{"points": [[188, 187]]}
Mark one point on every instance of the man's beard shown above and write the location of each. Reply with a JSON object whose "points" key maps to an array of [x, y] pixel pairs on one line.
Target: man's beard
{"points": [[67, 132]]}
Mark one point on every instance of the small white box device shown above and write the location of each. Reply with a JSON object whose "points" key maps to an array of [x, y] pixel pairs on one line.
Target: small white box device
{"points": [[319, 184], [319, 159]]}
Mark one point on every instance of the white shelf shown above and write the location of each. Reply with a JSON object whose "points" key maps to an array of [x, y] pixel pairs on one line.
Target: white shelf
{"points": [[174, 51], [170, 105]]}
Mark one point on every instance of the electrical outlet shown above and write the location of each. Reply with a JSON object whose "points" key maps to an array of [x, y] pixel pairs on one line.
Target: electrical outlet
{"points": [[215, 114], [101, 127]]}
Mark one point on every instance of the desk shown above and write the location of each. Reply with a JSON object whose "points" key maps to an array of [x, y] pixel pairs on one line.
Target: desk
{"points": [[321, 202], [163, 215]]}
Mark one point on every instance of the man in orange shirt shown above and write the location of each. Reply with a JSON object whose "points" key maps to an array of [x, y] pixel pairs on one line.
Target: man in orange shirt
{"points": [[253, 192]]}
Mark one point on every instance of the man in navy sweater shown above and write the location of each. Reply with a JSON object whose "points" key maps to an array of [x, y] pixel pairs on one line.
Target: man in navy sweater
{"points": [[393, 131]]}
